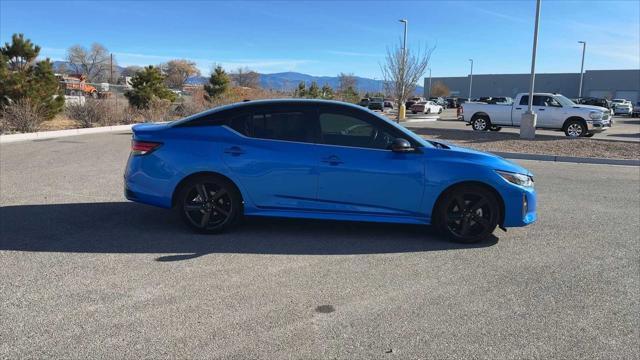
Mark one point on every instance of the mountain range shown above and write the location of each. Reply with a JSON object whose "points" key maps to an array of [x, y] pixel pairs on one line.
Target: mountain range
{"points": [[286, 81]]}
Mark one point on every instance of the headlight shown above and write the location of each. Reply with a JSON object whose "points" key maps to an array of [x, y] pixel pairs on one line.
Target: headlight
{"points": [[595, 115], [515, 178]]}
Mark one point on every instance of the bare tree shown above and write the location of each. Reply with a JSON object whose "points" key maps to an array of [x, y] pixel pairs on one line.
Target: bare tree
{"points": [[246, 78], [347, 87], [440, 89], [402, 70], [178, 71], [94, 63]]}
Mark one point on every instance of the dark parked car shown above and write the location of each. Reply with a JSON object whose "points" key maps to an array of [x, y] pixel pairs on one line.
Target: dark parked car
{"points": [[452, 103], [376, 104], [595, 102], [388, 103], [364, 102], [413, 101]]}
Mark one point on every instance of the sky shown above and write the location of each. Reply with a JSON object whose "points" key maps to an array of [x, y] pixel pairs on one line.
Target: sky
{"points": [[324, 38]]}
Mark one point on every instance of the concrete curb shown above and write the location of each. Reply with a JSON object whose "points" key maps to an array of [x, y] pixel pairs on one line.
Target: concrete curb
{"points": [[555, 158], [61, 133]]}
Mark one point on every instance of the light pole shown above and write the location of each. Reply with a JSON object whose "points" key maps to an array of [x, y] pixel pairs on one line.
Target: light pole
{"points": [[402, 110], [429, 82], [470, 80], [584, 48], [528, 121]]}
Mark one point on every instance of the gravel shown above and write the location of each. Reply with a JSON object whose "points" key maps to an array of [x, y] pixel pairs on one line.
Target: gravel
{"points": [[543, 144]]}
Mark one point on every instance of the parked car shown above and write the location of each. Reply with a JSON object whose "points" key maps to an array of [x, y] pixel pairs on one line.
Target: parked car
{"points": [[636, 110], [388, 104], [554, 112], [376, 104], [426, 107], [323, 160], [622, 107], [452, 103], [412, 101], [438, 101], [364, 102], [595, 102]]}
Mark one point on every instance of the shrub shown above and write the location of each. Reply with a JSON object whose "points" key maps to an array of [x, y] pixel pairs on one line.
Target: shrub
{"points": [[93, 113], [23, 115], [157, 110]]}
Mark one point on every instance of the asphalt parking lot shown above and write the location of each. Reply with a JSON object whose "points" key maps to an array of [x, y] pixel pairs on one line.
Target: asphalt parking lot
{"points": [[86, 274]]}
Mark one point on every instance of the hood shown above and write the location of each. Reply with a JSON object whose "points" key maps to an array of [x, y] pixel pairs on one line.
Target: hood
{"points": [[479, 157], [591, 107]]}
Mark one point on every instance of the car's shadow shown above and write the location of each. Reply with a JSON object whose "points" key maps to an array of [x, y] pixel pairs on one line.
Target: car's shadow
{"points": [[125, 227]]}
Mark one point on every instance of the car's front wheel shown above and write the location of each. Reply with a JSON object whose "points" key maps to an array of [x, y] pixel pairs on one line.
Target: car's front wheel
{"points": [[468, 214], [209, 204], [575, 128]]}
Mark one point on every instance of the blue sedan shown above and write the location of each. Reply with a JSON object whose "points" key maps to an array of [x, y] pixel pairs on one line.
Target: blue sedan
{"points": [[322, 160]]}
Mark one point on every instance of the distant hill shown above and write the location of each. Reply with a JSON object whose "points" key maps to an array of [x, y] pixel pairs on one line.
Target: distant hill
{"points": [[289, 80], [284, 81]]}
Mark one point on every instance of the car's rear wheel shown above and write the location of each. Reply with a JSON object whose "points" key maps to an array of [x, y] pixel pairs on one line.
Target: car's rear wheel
{"points": [[575, 128], [209, 204], [428, 111], [480, 123], [495, 128], [468, 214]]}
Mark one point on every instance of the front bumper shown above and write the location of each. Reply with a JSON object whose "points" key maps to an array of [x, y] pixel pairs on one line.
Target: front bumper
{"points": [[520, 207], [598, 125]]}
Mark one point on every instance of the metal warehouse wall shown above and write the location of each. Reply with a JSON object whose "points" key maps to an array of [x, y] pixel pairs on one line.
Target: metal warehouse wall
{"points": [[601, 83]]}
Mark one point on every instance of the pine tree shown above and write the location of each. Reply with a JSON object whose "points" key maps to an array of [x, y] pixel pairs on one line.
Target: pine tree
{"points": [[148, 84], [218, 84], [21, 77], [327, 92], [301, 91], [314, 91]]}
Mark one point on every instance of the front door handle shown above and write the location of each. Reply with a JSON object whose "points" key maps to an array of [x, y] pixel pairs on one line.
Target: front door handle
{"points": [[540, 109], [518, 108], [332, 160], [234, 150]]}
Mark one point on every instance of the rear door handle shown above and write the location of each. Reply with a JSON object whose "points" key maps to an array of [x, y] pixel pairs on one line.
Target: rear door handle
{"points": [[332, 160], [518, 108], [234, 150], [540, 109]]}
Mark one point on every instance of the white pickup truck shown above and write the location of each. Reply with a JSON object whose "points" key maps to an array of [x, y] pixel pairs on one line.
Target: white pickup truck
{"points": [[554, 112]]}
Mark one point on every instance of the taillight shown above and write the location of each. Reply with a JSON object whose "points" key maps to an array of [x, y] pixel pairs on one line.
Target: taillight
{"points": [[143, 147]]}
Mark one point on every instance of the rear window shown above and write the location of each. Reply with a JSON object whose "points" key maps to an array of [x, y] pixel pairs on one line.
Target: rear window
{"points": [[288, 126]]}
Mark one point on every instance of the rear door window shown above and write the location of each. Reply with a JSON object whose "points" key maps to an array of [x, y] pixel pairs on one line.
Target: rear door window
{"points": [[280, 124]]}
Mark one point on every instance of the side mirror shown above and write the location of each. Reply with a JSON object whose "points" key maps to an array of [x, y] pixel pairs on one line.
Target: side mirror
{"points": [[401, 145]]}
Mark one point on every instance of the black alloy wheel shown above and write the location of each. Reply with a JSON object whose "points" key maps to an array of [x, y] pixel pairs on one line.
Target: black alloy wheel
{"points": [[468, 214], [209, 204]]}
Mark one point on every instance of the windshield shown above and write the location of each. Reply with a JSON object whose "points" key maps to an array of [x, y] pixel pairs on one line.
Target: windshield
{"points": [[564, 101]]}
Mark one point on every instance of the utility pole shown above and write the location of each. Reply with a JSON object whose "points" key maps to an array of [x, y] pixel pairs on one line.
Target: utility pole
{"points": [[529, 118], [111, 66], [584, 48], [429, 82], [470, 79], [402, 109]]}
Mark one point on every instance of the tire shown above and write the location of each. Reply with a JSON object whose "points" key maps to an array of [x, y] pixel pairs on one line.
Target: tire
{"points": [[440, 111], [468, 214], [575, 128], [480, 123], [495, 128], [589, 135], [414, 112], [428, 111], [221, 209]]}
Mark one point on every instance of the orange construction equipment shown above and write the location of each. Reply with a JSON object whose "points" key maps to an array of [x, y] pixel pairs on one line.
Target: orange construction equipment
{"points": [[75, 84]]}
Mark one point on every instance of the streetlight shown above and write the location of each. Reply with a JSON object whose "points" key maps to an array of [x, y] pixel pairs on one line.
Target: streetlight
{"points": [[470, 80], [528, 120], [584, 48], [402, 110]]}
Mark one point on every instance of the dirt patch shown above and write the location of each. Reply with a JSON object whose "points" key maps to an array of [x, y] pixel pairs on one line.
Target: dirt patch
{"points": [[543, 144]]}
